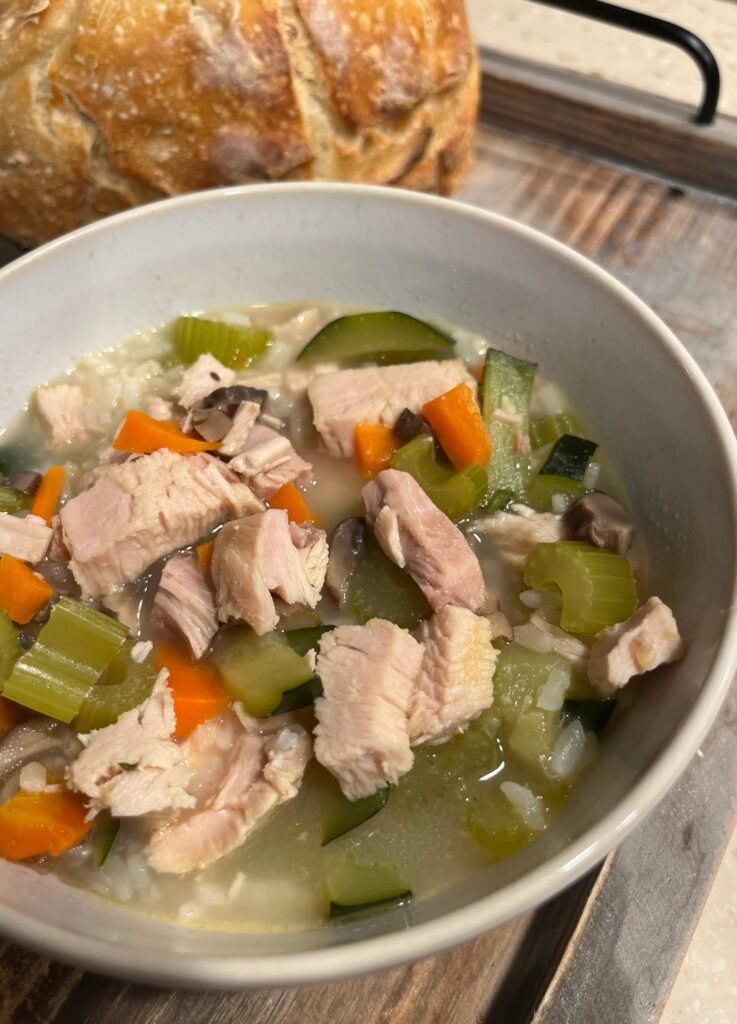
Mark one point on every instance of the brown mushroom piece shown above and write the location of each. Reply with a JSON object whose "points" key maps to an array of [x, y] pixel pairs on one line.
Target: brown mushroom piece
{"points": [[346, 547], [27, 481], [228, 399], [600, 520]]}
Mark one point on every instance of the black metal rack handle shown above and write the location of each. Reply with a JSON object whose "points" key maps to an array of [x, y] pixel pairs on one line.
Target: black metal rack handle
{"points": [[657, 28]]}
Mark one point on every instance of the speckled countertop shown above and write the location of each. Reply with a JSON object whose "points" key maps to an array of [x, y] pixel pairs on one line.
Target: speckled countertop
{"points": [[566, 40]]}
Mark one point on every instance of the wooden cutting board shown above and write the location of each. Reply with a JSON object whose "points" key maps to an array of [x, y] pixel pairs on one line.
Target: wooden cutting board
{"points": [[607, 950]]}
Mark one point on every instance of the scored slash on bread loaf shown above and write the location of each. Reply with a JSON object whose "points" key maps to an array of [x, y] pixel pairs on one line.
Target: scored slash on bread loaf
{"points": [[105, 104]]}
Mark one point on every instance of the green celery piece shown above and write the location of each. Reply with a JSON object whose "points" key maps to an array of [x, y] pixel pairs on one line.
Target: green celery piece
{"points": [[455, 492], [124, 685], [379, 589], [303, 640], [541, 489], [10, 649], [258, 670], [382, 337], [339, 815], [548, 430], [351, 885], [497, 827], [519, 675], [506, 384], [592, 714], [13, 501], [233, 345], [597, 586], [569, 457], [533, 735], [70, 654]]}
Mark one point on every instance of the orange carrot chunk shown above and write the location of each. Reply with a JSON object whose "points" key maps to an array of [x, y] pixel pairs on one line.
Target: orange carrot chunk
{"points": [[375, 444], [203, 554], [459, 427], [195, 689], [11, 714], [32, 824], [23, 592], [47, 496], [142, 434], [291, 501]]}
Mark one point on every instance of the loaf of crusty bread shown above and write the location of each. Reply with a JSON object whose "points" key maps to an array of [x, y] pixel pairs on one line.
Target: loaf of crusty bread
{"points": [[108, 103]]}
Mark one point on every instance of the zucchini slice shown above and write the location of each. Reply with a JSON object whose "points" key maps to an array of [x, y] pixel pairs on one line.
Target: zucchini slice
{"points": [[382, 338], [506, 385], [352, 886], [340, 815], [569, 457]]}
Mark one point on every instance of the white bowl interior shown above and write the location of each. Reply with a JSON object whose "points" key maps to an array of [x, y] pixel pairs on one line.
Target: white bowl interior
{"points": [[642, 397]]}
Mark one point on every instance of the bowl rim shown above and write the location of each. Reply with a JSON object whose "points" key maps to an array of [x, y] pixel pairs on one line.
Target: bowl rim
{"points": [[450, 929]]}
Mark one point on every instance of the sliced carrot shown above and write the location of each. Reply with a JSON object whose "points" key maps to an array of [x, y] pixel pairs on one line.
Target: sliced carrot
{"points": [[203, 554], [458, 425], [196, 689], [142, 434], [47, 496], [291, 501], [32, 824], [375, 444], [23, 592], [11, 714]]}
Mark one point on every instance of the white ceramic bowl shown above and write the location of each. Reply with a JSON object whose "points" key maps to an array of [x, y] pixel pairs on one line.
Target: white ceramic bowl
{"points": [[643, 396]]}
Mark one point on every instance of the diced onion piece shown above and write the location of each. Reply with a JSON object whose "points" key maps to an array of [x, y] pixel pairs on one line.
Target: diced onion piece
{"points": [[528, 806], [531, 598], [591, 475]]}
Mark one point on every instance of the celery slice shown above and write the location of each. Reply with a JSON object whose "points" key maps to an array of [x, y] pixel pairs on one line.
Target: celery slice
{"points": [[259, 670], [456, 493], [548, 430], [13, 501], [71, 652], [352, 886], [10, 649], [541, 490], [497, 827], [597, 586], [506, 385], [124, 685], [233, 345], [379, 589]]}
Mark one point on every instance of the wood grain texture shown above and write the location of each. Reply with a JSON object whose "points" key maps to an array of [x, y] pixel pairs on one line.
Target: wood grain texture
{"points": [[678, 249], [610, 121]]}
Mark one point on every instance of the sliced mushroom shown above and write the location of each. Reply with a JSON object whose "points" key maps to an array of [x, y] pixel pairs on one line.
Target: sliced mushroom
{"points": [[409, 425], [212, 424], [600, 520], [27, 481], [228, 399], [346, 547]]}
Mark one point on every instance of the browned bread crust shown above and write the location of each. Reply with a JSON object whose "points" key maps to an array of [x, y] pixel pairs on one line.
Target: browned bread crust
{"points": [[108, 103]]}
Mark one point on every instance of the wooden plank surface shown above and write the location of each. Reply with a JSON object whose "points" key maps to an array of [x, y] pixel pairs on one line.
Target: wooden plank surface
{"points": [[610, 121], [679, 250]]}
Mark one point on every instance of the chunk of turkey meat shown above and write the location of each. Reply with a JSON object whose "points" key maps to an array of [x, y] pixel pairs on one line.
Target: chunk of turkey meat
{"points": [[416, 535], [184, 600], [242, 769], [265, 555], [135, 766], [455, 681], [145, 508], [369, 674]]}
